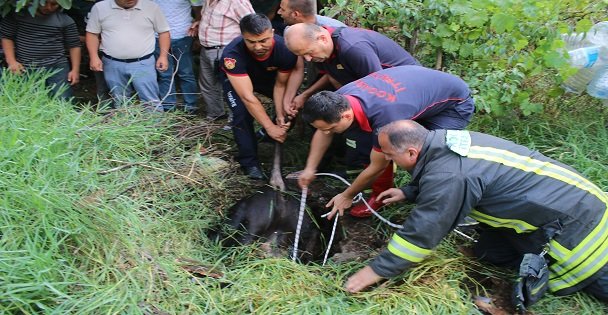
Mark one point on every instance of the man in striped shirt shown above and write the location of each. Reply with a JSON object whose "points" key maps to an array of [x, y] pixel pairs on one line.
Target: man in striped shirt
{"points": [[40, 42], [218, 26]]}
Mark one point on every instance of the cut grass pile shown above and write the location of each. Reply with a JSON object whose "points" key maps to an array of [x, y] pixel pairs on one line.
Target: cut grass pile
{"points": [[98, 214]]}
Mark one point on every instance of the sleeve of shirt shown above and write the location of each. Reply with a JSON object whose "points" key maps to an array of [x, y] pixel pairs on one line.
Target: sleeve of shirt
{"points": [[443, 197], [93, 22], [70, 34], [234, 64], [160, 22], [242, 8], [8, 27], [362, 59], [410, 191], [287, 59]]}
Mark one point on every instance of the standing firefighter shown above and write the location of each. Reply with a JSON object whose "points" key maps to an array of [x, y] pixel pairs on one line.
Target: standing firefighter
{"points": [[527, 203]]}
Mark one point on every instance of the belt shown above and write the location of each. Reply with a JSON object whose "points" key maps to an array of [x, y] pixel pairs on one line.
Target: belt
{"points": [[130, 59], [213, 47]]}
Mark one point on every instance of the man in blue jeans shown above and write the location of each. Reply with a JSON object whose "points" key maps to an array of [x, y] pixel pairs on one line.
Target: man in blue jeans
{"points": [[127, 52], [180, 67]]}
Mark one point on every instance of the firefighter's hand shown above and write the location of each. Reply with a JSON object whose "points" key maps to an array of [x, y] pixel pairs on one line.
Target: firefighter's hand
{"points": [[306, 177], [391, 195], [361, 280], [298, 102], [339, 203], [277, 133]]}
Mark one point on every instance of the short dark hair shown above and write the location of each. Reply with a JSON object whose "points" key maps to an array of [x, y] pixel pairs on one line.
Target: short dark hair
{"points": [[255, 23], [404, 133], [306, 7], [326, 106]]}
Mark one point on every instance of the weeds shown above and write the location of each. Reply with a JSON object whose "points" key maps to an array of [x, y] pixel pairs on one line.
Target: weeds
{"points": [[99, 211]]}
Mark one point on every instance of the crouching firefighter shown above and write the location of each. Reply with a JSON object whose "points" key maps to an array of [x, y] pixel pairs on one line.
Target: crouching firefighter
{"points": [[539, 215]]}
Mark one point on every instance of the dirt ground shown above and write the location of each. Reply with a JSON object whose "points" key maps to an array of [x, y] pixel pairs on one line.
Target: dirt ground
{"points": [[84, 91]]}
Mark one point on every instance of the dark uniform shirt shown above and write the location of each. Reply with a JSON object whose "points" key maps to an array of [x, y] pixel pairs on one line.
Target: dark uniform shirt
{"points": [[506, 186], [238, 61], [359, 52], [406, 92]]}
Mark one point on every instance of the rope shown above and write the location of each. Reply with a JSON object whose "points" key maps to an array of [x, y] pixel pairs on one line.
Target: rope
{"points": [[331, 240], [359, 197], [299, 226], [457, 231]]}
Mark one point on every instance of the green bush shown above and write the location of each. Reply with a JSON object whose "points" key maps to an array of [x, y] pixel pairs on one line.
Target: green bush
{"points": [[505, 49], [7, 6]]}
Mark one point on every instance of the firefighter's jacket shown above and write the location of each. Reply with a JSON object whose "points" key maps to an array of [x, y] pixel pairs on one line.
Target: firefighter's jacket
{"points": [[503, 185]]}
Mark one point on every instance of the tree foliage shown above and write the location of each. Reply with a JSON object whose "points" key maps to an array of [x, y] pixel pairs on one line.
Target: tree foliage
{"points": [[502, 48], [7, 6]]}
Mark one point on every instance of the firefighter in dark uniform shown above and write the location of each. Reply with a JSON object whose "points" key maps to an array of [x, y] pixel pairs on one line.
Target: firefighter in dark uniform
{"points": [[257, 61], [436, 99], [516, 193], [343, 54]]}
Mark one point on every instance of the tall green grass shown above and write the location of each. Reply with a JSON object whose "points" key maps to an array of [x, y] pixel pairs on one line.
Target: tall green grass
{"points": [[98, 212]]}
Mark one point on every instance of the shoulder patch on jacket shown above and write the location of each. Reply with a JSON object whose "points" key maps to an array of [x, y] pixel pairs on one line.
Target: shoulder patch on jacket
{"points": [[458, 141]]}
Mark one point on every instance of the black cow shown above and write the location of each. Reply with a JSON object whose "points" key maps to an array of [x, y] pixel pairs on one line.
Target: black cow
{"points": [[270, 216]]}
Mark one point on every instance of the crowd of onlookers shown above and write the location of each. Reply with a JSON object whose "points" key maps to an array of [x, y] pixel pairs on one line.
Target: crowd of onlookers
{"points": [[53, 37]]}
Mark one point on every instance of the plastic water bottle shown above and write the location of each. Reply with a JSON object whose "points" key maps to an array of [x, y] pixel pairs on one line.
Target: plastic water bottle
{"points": [[598, 34], [582, 51], [589, 60], [598, 87], [584, 57], [577, 82], [574, 40]]}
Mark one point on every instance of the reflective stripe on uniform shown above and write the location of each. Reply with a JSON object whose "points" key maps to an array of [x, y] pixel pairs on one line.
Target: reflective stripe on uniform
{"points": [[584, 260], [591, 254], [519, 226], [528, 164], [406, 250]]}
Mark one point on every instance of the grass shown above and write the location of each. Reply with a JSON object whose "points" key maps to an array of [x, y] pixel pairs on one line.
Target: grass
{"points": [[98, 211]]}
